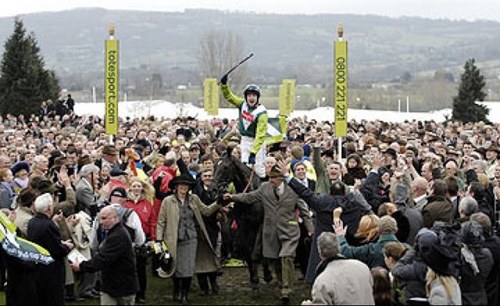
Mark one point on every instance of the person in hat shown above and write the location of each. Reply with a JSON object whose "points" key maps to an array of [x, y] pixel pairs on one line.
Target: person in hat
{"points": [[109, 156], [492, 159], [441, 286], [252, 124], [280, 230], [25, 210], [477, 262], [20, 171], [180, 225]]}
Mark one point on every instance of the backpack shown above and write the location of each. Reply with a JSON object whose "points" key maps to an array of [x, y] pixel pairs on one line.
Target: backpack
{"points": [[124, 214], [130, 230]]}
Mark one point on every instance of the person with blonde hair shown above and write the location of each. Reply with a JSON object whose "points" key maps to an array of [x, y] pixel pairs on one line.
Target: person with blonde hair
{"points": [[371, 254], [368, 229], [140, 197]]}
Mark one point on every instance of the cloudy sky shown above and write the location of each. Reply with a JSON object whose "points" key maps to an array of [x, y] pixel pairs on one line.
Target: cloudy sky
{"points": [[450, 9]]}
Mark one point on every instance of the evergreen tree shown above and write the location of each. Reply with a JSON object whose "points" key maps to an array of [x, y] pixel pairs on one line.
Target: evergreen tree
{"points": [[470, 90], [24, 81]]}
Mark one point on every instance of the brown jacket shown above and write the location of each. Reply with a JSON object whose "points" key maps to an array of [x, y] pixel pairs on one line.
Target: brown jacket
{"points": [[167, 230]]}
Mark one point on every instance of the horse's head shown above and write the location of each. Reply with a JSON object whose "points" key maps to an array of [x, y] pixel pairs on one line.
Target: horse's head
{"points": [[228, 170]]}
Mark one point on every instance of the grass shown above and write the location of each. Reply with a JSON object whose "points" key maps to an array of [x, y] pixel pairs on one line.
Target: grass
{"points": [[234, 287]]}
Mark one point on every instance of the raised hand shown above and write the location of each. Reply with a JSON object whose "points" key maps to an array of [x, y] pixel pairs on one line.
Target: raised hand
{"points": [[223, 80]]}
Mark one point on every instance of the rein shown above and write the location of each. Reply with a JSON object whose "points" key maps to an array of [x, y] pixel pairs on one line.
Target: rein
{"points": [[250, 179]]}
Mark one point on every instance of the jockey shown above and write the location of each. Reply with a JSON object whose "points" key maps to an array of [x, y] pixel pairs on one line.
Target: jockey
{"points": [[252, 124]]}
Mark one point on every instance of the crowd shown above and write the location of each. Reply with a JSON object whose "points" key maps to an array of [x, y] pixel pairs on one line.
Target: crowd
{"points": [[419, 200]]}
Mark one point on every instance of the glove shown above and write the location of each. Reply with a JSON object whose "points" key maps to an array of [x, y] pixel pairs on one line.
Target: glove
{"points": [[251, 159], [223, 80]]}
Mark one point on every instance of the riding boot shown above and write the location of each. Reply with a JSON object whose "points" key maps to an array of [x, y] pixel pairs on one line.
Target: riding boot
{"points": [[213, 282], [203, 283], [186, 283], [177, 289]]}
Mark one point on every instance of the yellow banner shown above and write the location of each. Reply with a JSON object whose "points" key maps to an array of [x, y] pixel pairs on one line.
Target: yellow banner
{"points": [[282, 106], [287, 97], [111, 86], [340, 89], [211, 96]]}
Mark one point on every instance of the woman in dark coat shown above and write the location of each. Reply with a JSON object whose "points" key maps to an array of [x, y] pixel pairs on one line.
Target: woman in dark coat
{"points": [[477, 263], [353, 206]]}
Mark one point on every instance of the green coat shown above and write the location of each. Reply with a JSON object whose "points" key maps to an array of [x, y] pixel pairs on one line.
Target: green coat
{"points": [[167, 230], [371, 254], [281, 231]]}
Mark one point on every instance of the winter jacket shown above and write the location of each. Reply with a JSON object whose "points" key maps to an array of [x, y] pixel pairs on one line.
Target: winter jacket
{"points": [[116, 261]]}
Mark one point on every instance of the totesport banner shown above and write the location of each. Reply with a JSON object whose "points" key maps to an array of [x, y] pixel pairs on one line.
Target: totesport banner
{"points": [[340, 89], [211, 97], [111, 86]]}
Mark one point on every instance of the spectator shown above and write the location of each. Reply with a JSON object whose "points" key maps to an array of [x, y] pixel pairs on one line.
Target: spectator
{"points": [[371, 254], [179, 218], [439, 207], [339, 281], [116, 260], [43, 231]]}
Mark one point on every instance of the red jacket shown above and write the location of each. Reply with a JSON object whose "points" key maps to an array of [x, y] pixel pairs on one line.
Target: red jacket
{"points": [[146, 214]]}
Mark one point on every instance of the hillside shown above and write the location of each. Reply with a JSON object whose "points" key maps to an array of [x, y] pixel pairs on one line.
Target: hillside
{"points": [[296, 46]]}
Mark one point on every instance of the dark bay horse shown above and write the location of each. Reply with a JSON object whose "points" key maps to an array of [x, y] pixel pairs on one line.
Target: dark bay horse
{"points": [[244, 221]]}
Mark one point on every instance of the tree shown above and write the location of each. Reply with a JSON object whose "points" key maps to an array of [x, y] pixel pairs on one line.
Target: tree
{"points": [[470, 90], [219, 51], [24, 82]]}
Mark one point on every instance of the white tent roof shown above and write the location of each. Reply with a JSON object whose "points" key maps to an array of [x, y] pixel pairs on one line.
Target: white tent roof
{"points": [[165, 109]]}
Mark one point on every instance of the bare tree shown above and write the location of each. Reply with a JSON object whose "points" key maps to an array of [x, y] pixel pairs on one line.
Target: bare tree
{"points": [[219, 51]]}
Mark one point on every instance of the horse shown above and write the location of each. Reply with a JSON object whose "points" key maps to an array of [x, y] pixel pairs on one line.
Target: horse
{"points": [[245, 221]]}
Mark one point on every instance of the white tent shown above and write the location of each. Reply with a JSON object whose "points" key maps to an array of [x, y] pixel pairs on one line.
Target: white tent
{"points": [[159, 108]]}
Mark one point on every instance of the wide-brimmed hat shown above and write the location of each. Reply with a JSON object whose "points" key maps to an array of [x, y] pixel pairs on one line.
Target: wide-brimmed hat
{"points": [[182, 179], [436, 256], [275, 172], [43, 185], [21, 165], [494, 148]]}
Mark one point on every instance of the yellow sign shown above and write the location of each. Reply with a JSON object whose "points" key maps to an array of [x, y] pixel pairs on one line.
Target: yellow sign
{"points": [[340, 89], [211, 96], [287, 97], [111, 86]]}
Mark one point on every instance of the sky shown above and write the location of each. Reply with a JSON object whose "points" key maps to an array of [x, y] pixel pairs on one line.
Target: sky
{"points": [[450, 9]]}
